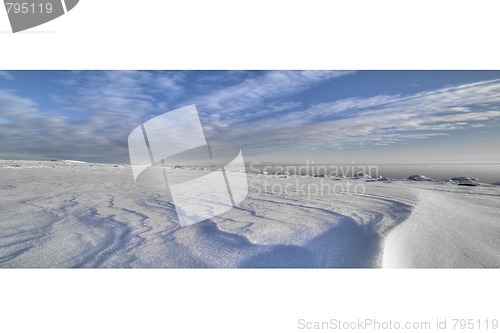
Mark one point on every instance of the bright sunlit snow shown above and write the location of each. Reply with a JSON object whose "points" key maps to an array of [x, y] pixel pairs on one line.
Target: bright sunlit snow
{"points": [[68, 214]]}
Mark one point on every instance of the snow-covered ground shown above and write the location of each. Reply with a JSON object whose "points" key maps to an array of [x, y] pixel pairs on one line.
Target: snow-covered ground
{"points": [[72, 214]]}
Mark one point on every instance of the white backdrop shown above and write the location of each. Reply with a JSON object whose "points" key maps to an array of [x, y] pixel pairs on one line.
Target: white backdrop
{"points": [[260, 34]]}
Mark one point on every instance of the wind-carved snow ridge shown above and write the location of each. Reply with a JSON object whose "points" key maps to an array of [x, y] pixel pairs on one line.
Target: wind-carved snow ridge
{"points": [[54, 214], [330, 233], [447, 230]]}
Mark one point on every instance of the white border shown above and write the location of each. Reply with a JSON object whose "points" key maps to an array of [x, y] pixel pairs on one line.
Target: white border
{"points": [[207, 300], [261, 34]]}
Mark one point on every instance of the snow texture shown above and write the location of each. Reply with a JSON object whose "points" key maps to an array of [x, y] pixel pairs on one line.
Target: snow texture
{"points": [[68, 214]]}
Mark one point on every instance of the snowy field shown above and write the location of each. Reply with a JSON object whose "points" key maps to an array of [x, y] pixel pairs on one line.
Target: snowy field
{"points": [[72, 214]]}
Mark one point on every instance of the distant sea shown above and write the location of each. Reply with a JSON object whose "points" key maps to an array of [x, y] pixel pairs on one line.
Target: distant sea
{"points": [[485, 173]]}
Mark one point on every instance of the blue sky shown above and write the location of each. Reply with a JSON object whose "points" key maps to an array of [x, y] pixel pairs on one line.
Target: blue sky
{"points": [[275, 116]]}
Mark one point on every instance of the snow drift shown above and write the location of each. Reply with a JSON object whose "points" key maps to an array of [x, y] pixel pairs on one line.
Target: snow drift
{"points": [[55, 214]]}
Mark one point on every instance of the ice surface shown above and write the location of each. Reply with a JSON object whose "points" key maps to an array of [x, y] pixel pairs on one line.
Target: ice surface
{"points": [[63, 214], [420, 178]]}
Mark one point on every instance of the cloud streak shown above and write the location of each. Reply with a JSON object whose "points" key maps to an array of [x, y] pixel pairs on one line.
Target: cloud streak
{"points": [[242, 100], [4, 75], [92, 113], [378, 120], [91, 122]]}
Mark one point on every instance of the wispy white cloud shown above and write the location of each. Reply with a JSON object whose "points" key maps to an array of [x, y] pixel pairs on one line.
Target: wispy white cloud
{"points": [[94, 113], [26, 132], [6, 75], [92, 121], [247, 97], [377, 120]]}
